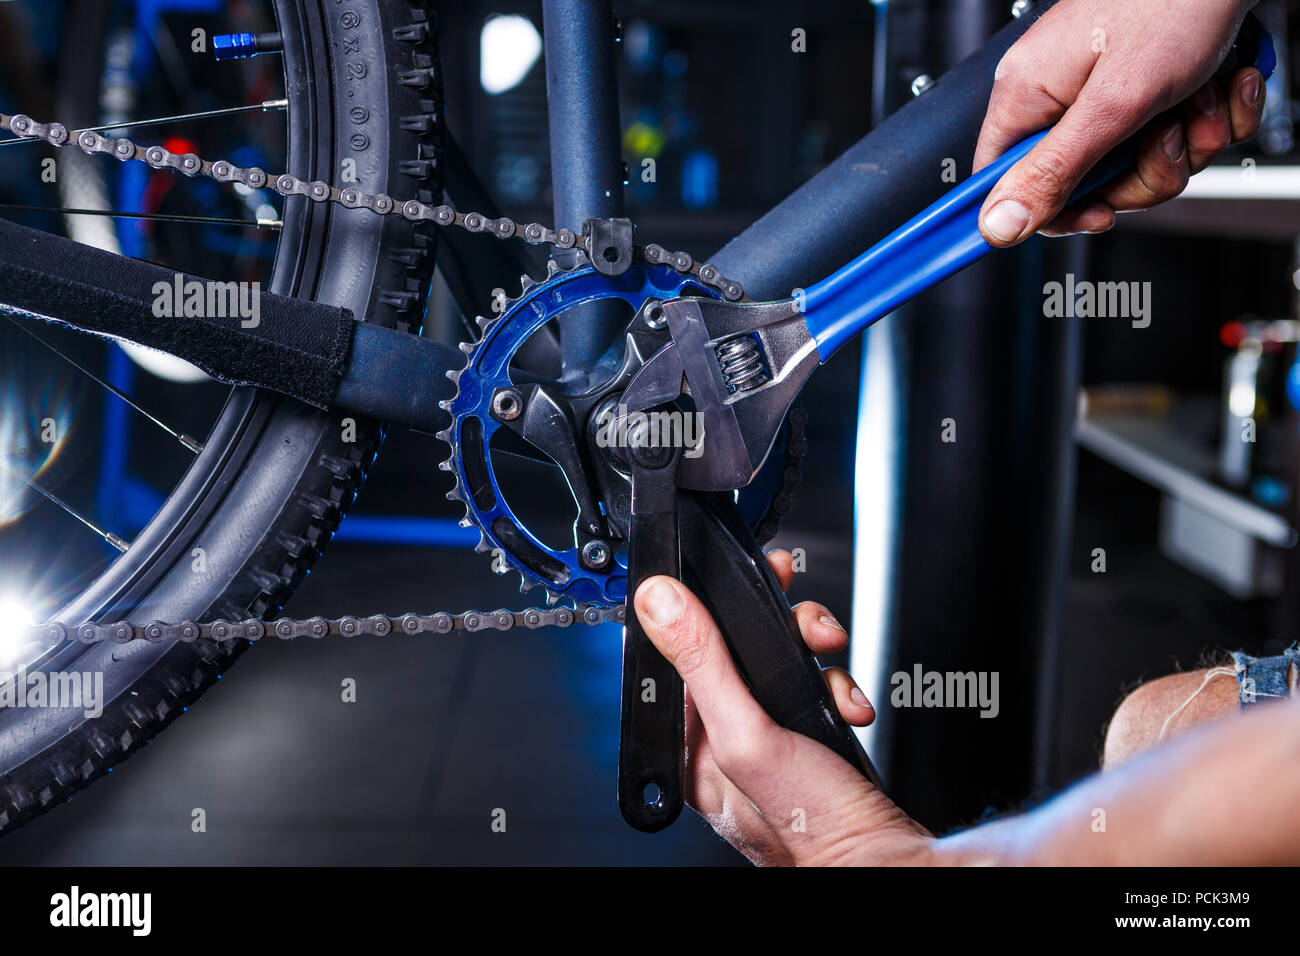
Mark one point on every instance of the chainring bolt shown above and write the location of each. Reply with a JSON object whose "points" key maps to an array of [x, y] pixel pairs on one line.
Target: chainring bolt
{"points": [[507, 404], [595, 554], [655, 316]]}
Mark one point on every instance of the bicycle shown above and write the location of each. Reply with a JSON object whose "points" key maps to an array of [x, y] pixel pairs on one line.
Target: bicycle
{"points": [[276, 475]]}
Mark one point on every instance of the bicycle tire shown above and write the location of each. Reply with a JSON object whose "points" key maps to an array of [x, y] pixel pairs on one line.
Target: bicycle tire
{"points": [[275, 477]]}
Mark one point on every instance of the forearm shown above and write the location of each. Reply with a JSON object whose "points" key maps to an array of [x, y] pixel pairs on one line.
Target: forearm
{"points": [[1224, 794]]}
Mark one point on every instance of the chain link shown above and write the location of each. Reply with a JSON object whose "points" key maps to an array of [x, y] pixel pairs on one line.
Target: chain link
{"points": [[534, 233]]}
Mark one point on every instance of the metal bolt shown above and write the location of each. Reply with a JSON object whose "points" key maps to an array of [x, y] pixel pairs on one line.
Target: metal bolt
{"points": [[1020, 8], [644, 449], [655, 317], [595, 554], [922, 83], [507, 404]]}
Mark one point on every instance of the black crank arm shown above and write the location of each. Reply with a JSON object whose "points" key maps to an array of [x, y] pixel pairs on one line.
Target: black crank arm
{"points": [[726, 568], [652, 743]]}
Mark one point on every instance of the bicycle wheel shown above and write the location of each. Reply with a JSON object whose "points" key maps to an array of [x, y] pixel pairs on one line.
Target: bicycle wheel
{"points": [[274, 477]]}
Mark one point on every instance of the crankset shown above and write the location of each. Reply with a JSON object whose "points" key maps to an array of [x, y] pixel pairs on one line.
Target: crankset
{"points": [[575, 425]]}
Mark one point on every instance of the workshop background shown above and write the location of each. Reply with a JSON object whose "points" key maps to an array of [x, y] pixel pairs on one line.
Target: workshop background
{"points": [[1097, 522]]}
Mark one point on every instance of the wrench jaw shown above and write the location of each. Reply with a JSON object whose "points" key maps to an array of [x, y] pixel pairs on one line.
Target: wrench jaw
{"points": [[742, 366]]}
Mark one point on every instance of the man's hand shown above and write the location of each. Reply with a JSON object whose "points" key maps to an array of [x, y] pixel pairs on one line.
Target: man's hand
{"points": [[775, 795], [1102, 70], [782, 798]]}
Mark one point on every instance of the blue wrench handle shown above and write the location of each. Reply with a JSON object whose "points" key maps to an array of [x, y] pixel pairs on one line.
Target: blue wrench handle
{"points": [[943, 239]]}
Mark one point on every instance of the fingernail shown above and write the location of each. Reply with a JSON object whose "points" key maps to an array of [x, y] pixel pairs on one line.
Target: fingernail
{"points": [[1250, 89], [1207, 99], [1006, 221], [662, 603], [859, 698], [1173, 143], [831, 622]]}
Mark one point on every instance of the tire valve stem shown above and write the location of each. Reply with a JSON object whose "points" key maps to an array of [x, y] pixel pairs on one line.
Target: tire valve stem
{"points": [[741, 361], [237, 46]]}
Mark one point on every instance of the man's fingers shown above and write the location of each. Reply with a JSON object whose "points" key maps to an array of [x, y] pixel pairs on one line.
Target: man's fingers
{"points": [[1083, 217], [782, 563], [1162, 169], [821, 631], [1246, 103], [1036, 189], [1208, 125], [824, 635], [852, 704], [741, 735]]}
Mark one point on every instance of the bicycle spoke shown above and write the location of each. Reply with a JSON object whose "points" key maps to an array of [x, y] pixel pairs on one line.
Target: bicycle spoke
{"points": [[158, 217], [190, 443], [164, 120], [117, 542]]}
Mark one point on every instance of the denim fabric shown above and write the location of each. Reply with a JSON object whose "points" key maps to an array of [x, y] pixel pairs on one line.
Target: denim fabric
{"points": [[1265, 678]]}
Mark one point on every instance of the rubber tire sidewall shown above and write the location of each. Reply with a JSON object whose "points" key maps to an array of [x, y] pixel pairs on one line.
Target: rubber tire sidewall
{"points": [[275, 477]]}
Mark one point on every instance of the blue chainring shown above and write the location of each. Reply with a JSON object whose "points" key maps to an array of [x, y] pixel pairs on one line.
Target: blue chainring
{"points": [[473, 425]]}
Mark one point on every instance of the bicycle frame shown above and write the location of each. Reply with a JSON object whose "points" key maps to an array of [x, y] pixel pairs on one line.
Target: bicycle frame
{"points": [[865, 193]]}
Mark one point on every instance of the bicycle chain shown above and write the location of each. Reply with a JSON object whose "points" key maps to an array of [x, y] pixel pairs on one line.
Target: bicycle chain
{"points": [[286, 629], [190, 164], [534, 233]]}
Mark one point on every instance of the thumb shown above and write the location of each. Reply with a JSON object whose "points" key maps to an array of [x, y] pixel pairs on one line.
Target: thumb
{"points": [[1036, 189], [767, 762], [685, 633]]}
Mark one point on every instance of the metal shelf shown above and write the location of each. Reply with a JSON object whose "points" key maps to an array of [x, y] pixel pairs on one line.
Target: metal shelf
{"points": [[1211, 529], [1160, 447]]}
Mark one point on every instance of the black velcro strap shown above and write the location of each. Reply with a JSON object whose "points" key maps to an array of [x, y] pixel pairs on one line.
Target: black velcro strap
{"points": [[297, 347]]}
